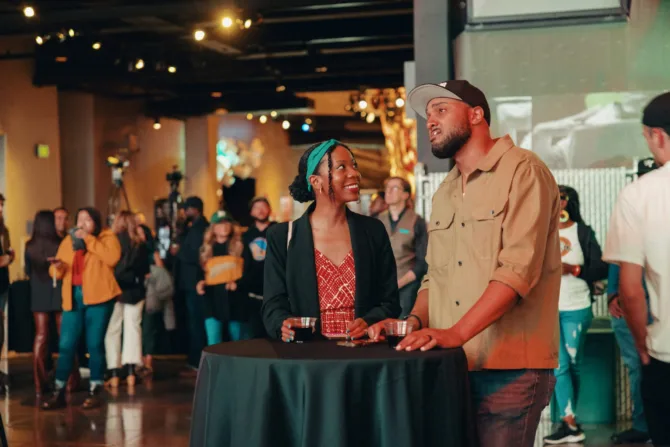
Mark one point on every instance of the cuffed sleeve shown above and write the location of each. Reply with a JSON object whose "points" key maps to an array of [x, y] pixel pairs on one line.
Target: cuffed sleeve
{"points": [[532, 211]]}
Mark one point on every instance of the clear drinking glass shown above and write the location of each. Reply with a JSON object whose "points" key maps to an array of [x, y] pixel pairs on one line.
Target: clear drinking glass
{"points": [[303, 327], [396, 331]]}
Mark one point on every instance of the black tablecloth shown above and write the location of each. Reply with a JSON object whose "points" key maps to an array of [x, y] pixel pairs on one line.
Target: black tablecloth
{"points": [[260, 393]]}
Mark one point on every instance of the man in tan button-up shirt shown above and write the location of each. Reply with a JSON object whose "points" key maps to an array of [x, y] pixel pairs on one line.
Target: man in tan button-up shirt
{"points": [[494, 265]]}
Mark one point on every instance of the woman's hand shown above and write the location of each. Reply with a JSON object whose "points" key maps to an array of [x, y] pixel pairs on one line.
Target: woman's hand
{"points": [[569, 269], [376, 331], [287, 334], [200, 288], [357, 328], [57, 263], [80, 233], [231, 286]]}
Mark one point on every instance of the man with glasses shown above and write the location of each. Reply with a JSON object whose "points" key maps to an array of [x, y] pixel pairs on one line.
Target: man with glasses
{"points": [[409, 240]]}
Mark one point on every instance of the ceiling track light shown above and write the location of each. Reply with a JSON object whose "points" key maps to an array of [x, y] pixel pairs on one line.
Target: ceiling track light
{"points": [[157, 124], [96, 46], [172, 69], [199, 35], [29, 12]]}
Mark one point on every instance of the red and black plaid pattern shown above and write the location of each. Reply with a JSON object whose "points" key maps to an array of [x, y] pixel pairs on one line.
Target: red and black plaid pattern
{"points": [[337, 289]]}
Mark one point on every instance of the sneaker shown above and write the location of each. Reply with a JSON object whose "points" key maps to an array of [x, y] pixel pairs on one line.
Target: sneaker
{"points": [[631, 436], [565, 435]]}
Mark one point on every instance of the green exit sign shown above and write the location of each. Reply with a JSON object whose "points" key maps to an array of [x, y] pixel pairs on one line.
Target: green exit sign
{"points": [[42, 151]]}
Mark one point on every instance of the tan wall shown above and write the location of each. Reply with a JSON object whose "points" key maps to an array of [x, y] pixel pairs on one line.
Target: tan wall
{"points": [[200, 161], [159, 151], [279, 164], [28, 116], [77, 140]]}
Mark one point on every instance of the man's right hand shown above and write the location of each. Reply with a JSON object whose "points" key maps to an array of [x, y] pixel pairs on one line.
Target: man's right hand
{"points": [[200, 288], [615, 308]]}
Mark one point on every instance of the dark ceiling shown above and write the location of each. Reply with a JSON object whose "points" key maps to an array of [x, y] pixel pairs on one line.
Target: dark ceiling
{"points": [[291, 46]]}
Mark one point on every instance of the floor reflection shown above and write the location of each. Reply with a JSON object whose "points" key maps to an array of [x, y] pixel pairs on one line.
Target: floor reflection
{"points": [[156, 414]]}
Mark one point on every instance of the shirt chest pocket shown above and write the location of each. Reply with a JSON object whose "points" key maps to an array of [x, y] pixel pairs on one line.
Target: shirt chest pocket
{"points": [[486, 228], [441, 239]]}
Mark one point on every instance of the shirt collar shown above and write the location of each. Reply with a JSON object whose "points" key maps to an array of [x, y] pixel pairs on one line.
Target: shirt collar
{"points": [[501, 146]]}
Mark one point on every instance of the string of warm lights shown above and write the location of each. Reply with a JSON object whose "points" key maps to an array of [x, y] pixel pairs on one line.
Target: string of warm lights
{"points": [[388, 106], [306, 126], [227, 22]]}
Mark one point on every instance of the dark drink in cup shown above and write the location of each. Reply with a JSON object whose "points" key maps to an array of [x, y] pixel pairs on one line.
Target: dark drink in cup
{"points": [[393, 340], [303, 328], [303, 334], [395, 331]]}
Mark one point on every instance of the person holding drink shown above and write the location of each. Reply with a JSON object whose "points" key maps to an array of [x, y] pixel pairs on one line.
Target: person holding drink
{"points": [[85, 263], [331, 268]]}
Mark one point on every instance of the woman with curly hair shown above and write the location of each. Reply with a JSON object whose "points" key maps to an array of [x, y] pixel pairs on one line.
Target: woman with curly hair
{"points": [[222, 256], [332, 263]]}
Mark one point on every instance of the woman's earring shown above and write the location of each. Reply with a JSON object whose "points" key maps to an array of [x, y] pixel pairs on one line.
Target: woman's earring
{"points": [[321, 190]]}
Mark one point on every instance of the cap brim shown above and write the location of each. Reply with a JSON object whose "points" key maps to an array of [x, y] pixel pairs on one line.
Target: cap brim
{"points": [[420, 96]]}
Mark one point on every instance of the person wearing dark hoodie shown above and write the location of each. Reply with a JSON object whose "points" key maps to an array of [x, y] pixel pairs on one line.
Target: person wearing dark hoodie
{"points": [[189, 274], [255, 240]]}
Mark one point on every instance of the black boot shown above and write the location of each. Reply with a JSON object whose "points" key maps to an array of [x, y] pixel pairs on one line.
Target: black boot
{"points": [[55, 401], [94, 399]]}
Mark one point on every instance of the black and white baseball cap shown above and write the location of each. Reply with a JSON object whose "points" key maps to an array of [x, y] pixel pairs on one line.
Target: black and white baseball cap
{"points": [[461, 90]]}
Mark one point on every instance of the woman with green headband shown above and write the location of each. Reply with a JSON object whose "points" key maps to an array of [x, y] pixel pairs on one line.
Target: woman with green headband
{"points": [[331, 263]]}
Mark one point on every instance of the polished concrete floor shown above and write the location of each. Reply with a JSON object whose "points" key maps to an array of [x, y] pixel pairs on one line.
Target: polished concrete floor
{"points": [[158, 414]]}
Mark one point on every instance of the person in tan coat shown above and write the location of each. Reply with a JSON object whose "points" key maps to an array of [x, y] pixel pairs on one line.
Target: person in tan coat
{"points": [[85, 262]]}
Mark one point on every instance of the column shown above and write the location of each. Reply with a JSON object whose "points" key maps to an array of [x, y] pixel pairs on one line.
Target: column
{"points": [[433, 64]]}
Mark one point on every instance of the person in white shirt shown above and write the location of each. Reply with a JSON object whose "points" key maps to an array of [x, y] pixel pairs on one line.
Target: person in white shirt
{"points": [[639, 241], [582, 267]]}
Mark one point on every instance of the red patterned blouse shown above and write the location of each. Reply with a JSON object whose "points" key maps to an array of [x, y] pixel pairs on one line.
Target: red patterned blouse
{"points": [[337, 289]]}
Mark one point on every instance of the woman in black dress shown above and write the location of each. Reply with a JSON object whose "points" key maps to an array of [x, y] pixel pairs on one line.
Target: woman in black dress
{"points": [[45, 292]]}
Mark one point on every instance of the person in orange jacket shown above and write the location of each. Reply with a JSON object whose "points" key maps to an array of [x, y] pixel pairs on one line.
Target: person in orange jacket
{"points": [[85, 262]]}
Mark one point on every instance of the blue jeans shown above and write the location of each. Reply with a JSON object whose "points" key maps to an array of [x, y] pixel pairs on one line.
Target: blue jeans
{"points": [[195, 308], [509, 403], [94, 318], [631, 359], [573, 327], [237, 330]]}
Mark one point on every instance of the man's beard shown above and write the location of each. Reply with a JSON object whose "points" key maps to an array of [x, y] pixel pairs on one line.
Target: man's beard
{"points": [[452, 143], [262, 221]]}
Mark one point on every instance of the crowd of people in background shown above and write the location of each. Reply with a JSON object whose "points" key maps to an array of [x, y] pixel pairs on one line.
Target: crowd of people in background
{"points": [[113, 290], [352, 272]]}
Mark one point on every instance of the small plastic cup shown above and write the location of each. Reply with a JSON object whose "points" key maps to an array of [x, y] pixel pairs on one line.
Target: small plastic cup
{"points": [[303, 327], [396, 331]]}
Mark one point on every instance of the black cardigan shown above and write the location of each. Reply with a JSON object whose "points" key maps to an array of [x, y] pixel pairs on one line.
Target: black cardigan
{"points": [[290, 286], [594, 268]]}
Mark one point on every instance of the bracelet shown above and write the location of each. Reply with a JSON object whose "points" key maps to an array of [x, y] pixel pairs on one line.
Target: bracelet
{"points": [[576, 271], [417, 319]]}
